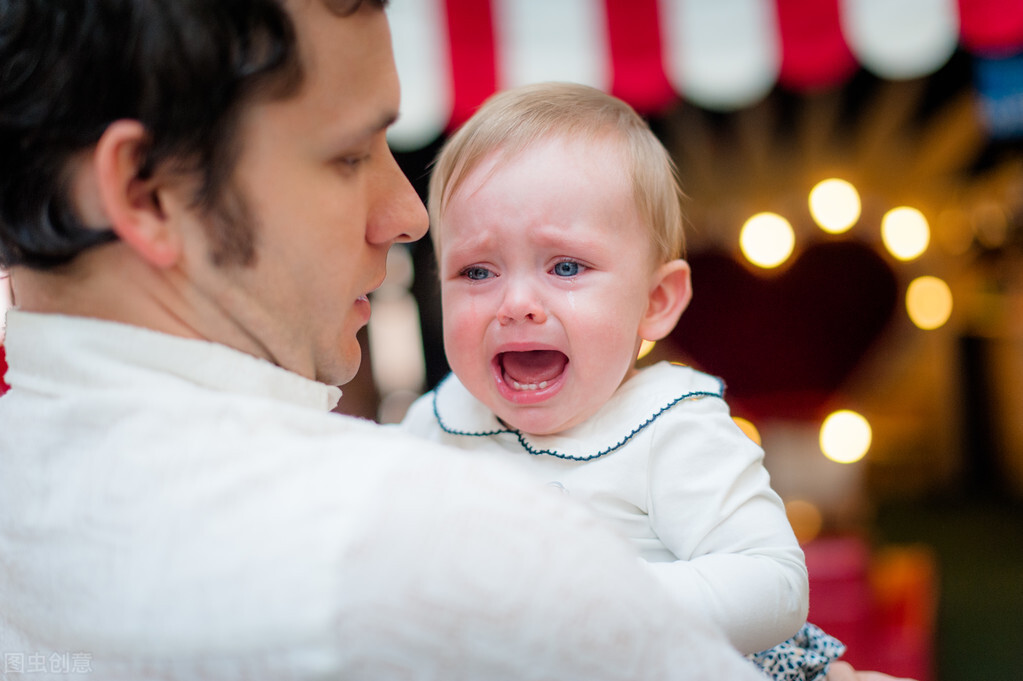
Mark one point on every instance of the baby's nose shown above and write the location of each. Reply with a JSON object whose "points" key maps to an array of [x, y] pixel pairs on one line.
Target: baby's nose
{"points": [[521, 302]]}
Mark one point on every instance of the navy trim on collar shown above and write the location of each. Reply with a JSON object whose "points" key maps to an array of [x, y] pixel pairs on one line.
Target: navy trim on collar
{"points": [[521, 437]]}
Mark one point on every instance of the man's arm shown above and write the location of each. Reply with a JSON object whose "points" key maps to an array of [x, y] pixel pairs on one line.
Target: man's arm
{"points": [[487, 576]]}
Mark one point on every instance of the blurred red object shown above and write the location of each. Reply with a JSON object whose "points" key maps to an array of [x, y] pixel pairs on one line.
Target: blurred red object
{"points": [[880, 603], [3, 370]]}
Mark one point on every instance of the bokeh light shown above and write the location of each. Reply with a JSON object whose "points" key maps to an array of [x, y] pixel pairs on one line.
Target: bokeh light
{"points": [[845, 436], [953, 232], [767, 240], [806, 519], [928, 302], [835, 205], [990, 224], [747, 427], [905, 232]]}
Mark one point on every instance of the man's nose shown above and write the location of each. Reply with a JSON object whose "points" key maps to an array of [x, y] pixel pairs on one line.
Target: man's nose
{"points": [[397, 214]]}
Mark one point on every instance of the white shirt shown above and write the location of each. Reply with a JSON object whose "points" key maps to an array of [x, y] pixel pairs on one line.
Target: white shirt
{"points": [[173, 509], [663, 462]]}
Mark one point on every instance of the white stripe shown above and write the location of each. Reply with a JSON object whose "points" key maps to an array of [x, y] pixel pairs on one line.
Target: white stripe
{"points": [[901, 39], [540, 40], [420, 37], [721, 54]]}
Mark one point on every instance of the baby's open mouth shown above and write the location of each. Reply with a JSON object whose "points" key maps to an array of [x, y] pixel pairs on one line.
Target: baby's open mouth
{"points": [[531, 369]]}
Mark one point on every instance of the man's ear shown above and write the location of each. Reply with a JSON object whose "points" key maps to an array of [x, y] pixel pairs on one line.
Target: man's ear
{"points": [[670, 293], [132, 203]]}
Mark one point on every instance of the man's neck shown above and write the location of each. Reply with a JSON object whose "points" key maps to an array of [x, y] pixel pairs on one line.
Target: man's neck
{"points": [[107, 282]]}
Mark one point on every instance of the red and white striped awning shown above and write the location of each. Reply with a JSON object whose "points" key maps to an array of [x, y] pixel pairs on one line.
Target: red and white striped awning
{"points": [[718, 54]]}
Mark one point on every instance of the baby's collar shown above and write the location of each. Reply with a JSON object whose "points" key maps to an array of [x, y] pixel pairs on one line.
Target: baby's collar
{"points": [[638, 403]]}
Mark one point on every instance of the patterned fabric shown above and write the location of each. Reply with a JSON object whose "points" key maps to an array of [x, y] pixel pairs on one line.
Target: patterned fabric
{"points": [[804, 657]]}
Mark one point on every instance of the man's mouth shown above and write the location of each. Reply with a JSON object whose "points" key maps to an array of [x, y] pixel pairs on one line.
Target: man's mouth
{"points": [[531, 370]]}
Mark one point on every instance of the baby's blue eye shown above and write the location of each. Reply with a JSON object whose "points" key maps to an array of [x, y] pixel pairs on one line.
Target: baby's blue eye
{"points": [[566, 268], [476, 273]]}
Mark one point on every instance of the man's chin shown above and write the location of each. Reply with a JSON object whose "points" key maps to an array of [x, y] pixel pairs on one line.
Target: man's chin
{"points": [[341, 372]]}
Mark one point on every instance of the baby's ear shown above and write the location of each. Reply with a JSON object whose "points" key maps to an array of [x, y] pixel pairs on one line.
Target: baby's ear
{"points": [[670, 293], [130, 202]]}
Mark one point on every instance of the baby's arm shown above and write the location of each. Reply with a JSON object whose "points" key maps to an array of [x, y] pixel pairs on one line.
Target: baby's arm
{"points": [[711, 504]]}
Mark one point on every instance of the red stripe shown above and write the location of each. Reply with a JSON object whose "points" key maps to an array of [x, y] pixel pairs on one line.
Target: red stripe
{"points": [[814, 51], [634, 38], [473, 56], [3, 369], [991, 27]]}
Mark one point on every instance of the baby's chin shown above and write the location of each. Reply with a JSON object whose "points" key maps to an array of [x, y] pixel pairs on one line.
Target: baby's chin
{"points": [[539, 420]]}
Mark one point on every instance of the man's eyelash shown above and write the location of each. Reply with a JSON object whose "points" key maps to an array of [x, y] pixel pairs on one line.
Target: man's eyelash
{"points": [[353, 161]]}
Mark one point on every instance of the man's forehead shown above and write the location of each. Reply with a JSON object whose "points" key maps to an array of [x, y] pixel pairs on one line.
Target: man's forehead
{"points": [[348, 67]]}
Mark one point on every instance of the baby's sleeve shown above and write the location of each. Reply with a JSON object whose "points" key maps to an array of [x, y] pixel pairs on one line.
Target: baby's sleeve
{"points": [[712, 505]]}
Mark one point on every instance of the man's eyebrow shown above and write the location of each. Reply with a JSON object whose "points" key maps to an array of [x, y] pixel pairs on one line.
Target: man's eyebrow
{"points": [[386, 120], [360, 135]]}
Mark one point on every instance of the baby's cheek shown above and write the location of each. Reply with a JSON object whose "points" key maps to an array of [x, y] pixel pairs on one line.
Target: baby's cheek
{"points": [[461, 326], [463, 342]]}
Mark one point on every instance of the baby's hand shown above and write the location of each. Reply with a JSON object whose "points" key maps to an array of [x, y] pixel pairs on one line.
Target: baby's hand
{"points": [[843, 671]]}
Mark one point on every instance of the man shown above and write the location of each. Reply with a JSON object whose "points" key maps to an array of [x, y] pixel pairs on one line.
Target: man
{"points": [[195, 200]]}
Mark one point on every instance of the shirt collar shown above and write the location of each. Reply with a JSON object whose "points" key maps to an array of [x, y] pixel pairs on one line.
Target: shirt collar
{"points": [[635, 405], [56, 353]]}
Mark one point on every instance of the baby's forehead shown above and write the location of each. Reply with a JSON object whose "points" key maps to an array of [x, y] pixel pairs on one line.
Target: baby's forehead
{"points": [[478, 169], [608, 162], [550, 204], [603, 138]]}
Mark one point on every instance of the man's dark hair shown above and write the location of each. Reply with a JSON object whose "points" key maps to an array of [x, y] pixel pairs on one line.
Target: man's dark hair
{"points": [[183, 68]]}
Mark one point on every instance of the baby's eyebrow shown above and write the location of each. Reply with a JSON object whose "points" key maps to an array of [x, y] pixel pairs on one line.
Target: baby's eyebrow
{"points": [[467, 244]]}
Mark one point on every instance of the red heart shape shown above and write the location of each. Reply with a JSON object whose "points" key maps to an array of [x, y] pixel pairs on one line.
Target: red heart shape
{"points": [[785, 341]]}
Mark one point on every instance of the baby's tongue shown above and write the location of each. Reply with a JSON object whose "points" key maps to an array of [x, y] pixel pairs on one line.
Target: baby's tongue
{"points": [[533, 366]]}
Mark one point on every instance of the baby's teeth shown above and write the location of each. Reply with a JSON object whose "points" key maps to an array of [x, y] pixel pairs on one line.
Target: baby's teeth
{"points": [[530, 386]]}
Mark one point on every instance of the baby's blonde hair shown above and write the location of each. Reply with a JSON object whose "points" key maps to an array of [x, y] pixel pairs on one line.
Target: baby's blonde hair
{"points": [[512, 120]]}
